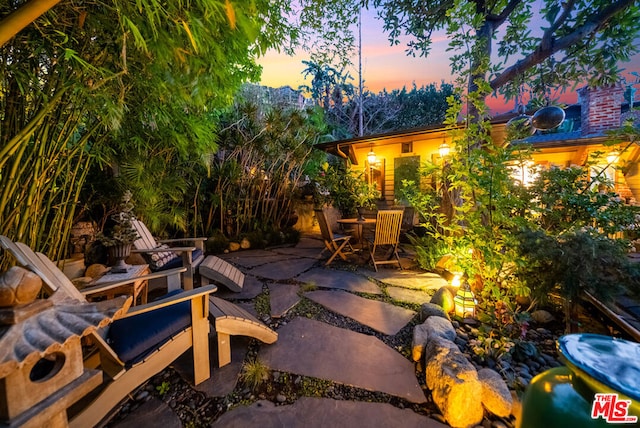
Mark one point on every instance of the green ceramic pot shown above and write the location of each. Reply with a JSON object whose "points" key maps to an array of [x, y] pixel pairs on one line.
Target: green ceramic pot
{"points": [[564, 397]]}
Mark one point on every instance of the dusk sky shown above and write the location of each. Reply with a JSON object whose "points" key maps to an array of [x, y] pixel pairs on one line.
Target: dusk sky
{"points": [[385, 66]]}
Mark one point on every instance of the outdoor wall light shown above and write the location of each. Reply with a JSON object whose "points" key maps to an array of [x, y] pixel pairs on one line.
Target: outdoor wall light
{"points": [[613, 157], [464, 301], [371, 156], [444, 149]]}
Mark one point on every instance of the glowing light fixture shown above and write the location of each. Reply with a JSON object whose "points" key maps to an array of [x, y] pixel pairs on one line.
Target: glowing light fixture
{"points": [[444, 149], [371, 156], [464, 301], [456, 280], [613, 157]]}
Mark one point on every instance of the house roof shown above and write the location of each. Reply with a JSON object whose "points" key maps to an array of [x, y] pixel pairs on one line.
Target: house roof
{"points": [[567, 135]]}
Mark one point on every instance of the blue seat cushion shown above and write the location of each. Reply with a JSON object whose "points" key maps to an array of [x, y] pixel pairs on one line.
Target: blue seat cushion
{"points": [[135, 337], [177, 262]]}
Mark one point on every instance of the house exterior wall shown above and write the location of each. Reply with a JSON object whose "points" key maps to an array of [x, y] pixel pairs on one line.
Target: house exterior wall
{"points": [[600, 110]]}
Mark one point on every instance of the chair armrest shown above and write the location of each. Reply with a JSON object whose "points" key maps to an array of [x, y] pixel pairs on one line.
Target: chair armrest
{"points": [[172, 300], [110, 285], [164, 250], [168, 241], [197, 242]]}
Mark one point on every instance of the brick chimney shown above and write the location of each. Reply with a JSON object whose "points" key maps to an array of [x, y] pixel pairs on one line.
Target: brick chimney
{"points": [[600, 108]]}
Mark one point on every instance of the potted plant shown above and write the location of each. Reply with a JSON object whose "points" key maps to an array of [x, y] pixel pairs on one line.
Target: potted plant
{"points": [[347, 191], [365, 196], [121, 235]]}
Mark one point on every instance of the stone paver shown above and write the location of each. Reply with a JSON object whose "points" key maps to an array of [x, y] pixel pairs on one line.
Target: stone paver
{"points": [[251, 258], [152, 410], [322, 413], [282, 298], [312, 253], [309, 242], [380, 316], [407, 278], [283, 269], [339, 279], [402, 294], [313, 348], [250, 290]]}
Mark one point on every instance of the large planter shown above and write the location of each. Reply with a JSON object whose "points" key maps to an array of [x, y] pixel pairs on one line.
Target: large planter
{"points": [[117, 255], [73, 267], [595, 364]]}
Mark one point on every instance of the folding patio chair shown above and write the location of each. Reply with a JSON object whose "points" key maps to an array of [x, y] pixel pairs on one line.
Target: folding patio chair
{"points": [[387, 238], [333, 242]]}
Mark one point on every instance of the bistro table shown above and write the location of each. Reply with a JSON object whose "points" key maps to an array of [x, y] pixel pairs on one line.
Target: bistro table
{"points": [[359, 223]]}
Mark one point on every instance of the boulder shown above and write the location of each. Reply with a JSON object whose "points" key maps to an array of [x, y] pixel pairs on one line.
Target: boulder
{"points": [[440, 327], [542, 317], [432, 310], [420, 338], [234, 246], [496, 396], [444, 298], [245, 244], [516, 408], [453, 382]]}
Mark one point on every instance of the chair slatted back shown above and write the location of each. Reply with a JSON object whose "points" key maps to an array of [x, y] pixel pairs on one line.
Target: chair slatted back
{"points": [[52, 277], [388, 224], [146, 240], [327, 233]]}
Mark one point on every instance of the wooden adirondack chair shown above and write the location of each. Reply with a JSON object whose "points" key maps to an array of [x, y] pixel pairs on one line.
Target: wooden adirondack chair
{"points": [[136, 346], [161, 256], [333, 242], [387, 238]]}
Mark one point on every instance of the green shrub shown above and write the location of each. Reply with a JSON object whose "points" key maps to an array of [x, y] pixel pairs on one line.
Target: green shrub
{"points": [[254, 373], [217, 243]]}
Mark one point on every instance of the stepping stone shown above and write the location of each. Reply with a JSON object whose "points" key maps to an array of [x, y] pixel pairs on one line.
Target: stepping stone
{"points": [[151, 410], [307, 242], [339, 279], [284, 268], [402, 294], [251, 258], [249, 307], [312, 253], [407, 279], [252, 287], [313, 348], [380, 316], [324, 412], [282, 297]]}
